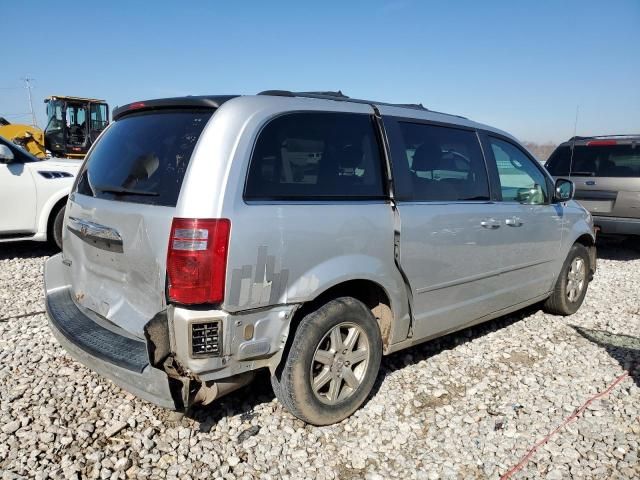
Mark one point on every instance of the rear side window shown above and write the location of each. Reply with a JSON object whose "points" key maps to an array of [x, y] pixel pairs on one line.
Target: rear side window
{"points": [[596, 161], [443, 163], [309, 155], [143, 158]]}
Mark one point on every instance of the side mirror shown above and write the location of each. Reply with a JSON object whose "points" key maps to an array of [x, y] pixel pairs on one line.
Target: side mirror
{"points": [[564, 190], [6, 155]]}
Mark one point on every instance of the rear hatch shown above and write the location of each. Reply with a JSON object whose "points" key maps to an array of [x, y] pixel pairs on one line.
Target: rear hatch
{"points": [[120, 214], [606, 174]]}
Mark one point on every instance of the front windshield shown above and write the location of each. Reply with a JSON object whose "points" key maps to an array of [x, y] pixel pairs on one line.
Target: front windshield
{"points": [[76, 118], [54, 116]]}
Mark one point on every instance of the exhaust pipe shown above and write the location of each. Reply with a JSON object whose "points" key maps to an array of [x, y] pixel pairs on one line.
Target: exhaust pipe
{"points": [[210, 391]]}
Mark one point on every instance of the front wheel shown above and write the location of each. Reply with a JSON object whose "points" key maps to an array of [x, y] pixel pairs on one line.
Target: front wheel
{"points": [[332, 364], [571, 286]]}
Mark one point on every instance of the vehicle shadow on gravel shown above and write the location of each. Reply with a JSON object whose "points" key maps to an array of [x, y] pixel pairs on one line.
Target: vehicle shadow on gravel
{"points": [[424, 351], [241, 402], [625, 349], [26, 250], [244, 401], [618, 248]]}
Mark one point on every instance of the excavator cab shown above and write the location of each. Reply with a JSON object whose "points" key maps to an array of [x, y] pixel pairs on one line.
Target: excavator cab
{"points": [[73, 124]]}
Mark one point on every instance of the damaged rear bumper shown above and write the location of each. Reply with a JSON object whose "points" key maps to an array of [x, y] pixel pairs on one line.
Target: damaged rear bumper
{"points": [[113, 354], [150, 383], [156, 367]]}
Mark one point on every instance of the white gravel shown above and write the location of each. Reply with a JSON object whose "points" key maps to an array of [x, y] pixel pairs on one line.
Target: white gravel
{"points": [[469, 405]]}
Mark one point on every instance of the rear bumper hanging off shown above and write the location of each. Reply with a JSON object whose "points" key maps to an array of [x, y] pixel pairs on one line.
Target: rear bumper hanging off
{"points": [[121, 358], [148, 367]]}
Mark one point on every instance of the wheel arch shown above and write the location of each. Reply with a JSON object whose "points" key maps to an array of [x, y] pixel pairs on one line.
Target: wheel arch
{"points": [[589, 243], [48, 210], [369, 292]]}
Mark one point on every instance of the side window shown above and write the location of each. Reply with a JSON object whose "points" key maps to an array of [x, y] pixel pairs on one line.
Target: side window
{"points": [[520, 180], [313, 155], [445, 164]]}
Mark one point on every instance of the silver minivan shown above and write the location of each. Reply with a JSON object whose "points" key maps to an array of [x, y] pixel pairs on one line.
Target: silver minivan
{"points": [[303, 233]]}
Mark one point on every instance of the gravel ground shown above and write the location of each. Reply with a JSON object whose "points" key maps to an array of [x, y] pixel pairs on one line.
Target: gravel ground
{"points": [[469, 405]]}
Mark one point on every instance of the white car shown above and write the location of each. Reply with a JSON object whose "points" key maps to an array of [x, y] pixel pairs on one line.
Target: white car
{"points": [[33, 194]]}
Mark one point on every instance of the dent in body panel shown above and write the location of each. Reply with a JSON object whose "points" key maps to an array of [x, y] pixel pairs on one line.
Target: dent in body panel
{"points": [[127, 287], [270, 328]]}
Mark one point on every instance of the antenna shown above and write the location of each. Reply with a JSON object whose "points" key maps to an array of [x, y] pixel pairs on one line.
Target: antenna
{"points": [[573, 141], [27, 83]]}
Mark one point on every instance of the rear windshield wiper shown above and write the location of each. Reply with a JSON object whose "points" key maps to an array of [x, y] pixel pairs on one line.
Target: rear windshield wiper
{"points": [[124, 191]]}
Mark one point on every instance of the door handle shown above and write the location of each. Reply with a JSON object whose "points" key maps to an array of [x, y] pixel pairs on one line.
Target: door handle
{"points": [[513, 222], [490, 223]]}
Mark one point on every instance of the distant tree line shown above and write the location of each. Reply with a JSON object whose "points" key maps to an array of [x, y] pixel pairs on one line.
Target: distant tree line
{"points": [[541, 151]]}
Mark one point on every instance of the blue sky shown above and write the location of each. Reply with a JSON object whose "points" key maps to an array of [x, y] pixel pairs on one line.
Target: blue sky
{"points": [[520, 66]]}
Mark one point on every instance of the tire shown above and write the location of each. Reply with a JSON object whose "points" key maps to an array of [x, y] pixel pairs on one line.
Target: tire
{"points": [[568, 294], [345, 366], [55, 233]]}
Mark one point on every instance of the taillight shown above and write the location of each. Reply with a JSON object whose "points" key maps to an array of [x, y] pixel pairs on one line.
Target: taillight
{"points": [[197, 260], [601, 143]]}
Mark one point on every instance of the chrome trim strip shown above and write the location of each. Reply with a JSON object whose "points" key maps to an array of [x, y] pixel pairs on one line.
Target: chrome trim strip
{"points": [[96, 235], [86, 228]]}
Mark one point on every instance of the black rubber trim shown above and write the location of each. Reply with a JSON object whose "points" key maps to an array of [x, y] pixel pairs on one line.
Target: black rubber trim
{"points": [[595, 195], [93, 338]]}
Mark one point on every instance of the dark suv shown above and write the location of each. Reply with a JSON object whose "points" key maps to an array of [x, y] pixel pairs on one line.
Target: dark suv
{"points": [[606, 173]]}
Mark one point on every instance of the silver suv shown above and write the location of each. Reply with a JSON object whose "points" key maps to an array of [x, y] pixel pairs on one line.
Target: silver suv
{"points": [[304, 233], [606, 172]]}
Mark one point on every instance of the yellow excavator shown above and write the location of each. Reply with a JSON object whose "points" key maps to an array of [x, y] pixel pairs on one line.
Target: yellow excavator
{"points": [[73, 124]]}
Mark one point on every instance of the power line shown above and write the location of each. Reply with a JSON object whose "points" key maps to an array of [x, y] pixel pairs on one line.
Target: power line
{"points": [[27, 83]]}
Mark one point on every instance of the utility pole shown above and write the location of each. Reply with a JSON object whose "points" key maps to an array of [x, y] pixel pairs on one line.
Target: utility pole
{"points": [[27, 84]]}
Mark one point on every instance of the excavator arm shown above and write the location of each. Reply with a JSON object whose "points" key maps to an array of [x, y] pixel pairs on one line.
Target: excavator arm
{"points": [[28, 137]]}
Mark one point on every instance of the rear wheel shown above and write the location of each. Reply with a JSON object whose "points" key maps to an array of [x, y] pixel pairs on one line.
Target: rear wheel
{"points": [[571, 286], [55, 231], [332, 364]]}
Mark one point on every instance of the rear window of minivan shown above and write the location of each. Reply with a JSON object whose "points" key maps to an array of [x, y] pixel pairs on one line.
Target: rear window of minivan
{"points": [[596, 161], [142, 158]]}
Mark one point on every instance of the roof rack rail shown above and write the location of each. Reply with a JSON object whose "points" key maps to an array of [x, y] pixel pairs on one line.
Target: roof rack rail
{"points": [[627, 135], [617, 136], [341, 97], [287, 93]]}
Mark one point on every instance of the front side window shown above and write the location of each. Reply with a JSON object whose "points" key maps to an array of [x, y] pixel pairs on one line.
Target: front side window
{"points": [[520, 180], [316, 155], [443, 163]]}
